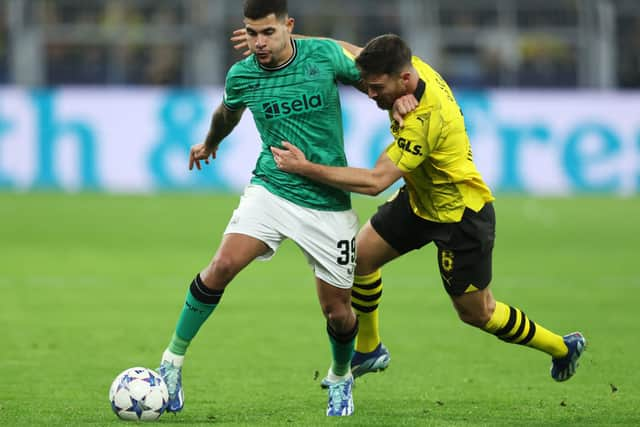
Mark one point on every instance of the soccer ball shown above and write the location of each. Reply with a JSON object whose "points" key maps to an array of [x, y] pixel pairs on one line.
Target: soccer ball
{"points": [[138, 394]]}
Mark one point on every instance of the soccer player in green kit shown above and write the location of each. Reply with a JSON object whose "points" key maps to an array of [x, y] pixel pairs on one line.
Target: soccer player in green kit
{"points": [[290, 88]]}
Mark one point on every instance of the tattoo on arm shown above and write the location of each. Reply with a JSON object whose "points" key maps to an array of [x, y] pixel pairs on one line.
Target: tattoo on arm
{"points": [[222, 123]]}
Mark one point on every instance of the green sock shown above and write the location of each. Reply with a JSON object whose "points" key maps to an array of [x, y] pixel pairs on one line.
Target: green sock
{"points": [[178, 345], [198, 306], [342, 347]]}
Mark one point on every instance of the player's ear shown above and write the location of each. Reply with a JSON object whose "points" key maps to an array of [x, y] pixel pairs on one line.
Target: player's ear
{"points": [[405, 76], [290, 24]]}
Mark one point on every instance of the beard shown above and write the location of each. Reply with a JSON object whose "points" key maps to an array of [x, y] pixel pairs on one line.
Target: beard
{"points": [[383, 105], [265, 57], [273, 56]]}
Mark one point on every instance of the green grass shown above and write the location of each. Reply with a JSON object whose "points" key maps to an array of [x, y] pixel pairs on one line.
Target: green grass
{"points": [[91, 285]]}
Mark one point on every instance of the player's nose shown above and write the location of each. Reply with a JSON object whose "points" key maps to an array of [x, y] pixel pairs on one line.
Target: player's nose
{"points": [[261, 41]]}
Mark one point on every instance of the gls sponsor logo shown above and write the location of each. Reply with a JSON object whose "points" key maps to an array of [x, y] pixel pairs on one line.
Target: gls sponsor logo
{"points": [[274, 109], [408, 146]]}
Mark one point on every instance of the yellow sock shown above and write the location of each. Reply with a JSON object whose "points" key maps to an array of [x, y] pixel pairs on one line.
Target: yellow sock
{"points": [[512, 325], [365, 297]]}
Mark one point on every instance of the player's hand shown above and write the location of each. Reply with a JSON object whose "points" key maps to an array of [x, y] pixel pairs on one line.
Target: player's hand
{"points": [[403, 106], [200, 152], [240, 42], [289, 158]]}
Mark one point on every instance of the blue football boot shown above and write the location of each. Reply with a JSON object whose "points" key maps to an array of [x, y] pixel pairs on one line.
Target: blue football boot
{"points": [[171, 372], [340, 398], [565, 367]]}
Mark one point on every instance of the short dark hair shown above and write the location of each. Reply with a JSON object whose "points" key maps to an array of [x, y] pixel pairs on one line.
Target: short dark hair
{"points": [[257, 9], [385, 54]]}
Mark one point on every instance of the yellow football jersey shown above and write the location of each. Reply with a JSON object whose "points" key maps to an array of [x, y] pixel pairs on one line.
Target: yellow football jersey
{"points": [[433, 151]]}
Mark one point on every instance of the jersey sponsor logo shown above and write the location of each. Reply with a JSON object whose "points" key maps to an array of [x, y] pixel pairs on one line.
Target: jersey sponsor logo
{"points": [[274, 109], [409, 146]]}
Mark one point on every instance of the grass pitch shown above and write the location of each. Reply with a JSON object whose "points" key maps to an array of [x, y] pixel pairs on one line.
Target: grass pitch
{"points": [[93, 284]]}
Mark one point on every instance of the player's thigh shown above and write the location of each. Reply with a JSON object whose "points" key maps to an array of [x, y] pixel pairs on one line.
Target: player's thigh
{"points": [[465, 258], [397, 224], [236, 251], [261, 216], [372, 250], [328, 240]]}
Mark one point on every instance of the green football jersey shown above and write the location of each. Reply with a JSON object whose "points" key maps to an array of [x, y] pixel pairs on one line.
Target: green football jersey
{"points": [[298, 102]]}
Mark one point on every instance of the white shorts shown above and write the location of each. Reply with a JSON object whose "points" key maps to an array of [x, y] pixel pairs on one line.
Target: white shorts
{"points": [[327, 238]]}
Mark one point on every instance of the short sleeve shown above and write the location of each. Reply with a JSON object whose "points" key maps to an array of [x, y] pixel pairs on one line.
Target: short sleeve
{"points": [[232, 96], [415, 141], [345, 65]]}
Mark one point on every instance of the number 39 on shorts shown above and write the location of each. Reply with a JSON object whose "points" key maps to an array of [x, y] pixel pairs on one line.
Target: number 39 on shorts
{"points": [[347, 252]]}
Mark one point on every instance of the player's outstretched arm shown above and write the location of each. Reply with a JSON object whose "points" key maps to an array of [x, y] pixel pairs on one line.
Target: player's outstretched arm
{"points": [[222, 123], [358, 180]]}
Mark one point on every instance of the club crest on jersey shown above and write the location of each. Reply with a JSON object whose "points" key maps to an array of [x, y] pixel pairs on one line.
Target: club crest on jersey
{"points": [[312, 71], [276, 108], [409, 146]]}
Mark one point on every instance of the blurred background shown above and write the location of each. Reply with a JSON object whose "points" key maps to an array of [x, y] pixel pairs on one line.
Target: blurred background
{"points": [[474, 43], [102, 226], [93, 90]]}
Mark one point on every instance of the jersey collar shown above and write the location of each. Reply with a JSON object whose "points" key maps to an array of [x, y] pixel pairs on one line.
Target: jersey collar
{"points": [[286, 63], [420, 89]]}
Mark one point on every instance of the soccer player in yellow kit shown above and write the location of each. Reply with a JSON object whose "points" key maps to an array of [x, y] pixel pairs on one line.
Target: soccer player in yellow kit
{"points": [[444, 200]]}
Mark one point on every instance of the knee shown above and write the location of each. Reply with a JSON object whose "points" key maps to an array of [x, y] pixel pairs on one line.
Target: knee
{"points": [[339, 316], [477, 318], [219, 272]]}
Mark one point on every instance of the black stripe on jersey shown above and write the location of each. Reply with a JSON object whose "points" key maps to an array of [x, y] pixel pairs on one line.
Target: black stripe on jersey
{"points": [[420, 89], [368, 286], [362, 308], [362, 297]]}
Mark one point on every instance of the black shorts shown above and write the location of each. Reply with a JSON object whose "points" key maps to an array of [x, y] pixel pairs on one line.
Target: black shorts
{"points": [[464, 248]]}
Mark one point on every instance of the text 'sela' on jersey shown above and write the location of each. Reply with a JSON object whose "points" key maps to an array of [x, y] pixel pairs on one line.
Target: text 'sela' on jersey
{"points": [[298, 102]]}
